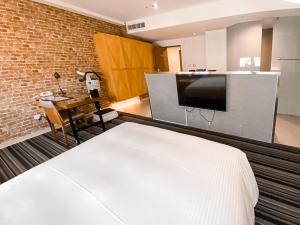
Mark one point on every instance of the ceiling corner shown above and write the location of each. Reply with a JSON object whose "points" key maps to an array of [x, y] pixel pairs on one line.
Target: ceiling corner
{"points": [[79, 10]]}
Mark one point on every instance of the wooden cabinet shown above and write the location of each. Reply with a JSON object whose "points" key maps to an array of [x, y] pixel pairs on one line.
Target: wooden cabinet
{"points": [[123, 62]]}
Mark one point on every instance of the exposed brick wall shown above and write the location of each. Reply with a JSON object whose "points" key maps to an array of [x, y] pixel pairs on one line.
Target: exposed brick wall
{"points": [[35, 41]]}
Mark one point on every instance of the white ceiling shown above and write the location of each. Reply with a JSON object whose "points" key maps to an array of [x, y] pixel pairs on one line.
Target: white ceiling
{"points": [[125, 10], [179, 18], [199, 28]]}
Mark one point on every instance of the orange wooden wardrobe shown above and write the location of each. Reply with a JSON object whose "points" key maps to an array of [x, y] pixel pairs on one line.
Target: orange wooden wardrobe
{"points": [[123, 62]]}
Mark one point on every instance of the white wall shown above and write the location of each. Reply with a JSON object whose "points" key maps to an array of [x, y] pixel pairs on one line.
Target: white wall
{"points": [[192, 50], [216, 50], [221, 49], [286, 45], [244, 41], [174, 59]]}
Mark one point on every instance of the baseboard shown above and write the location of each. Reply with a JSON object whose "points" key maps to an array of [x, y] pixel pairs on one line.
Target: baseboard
{"points": [[23, 138]]}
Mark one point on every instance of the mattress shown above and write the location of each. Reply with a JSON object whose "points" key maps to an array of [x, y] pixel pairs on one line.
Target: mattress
{"points": [[135, 175]]}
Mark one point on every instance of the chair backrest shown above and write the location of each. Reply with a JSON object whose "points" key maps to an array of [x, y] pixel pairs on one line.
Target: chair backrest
{"points": [[51, 112], [47, 104]]}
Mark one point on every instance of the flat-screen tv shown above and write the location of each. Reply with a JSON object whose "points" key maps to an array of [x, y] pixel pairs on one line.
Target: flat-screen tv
{"points": [[202, 91]]}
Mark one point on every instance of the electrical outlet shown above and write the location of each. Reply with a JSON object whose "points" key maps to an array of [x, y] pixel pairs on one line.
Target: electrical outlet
{"points": [[37, 117]]}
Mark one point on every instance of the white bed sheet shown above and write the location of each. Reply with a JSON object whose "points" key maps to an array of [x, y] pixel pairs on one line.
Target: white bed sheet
{"points": [[135, 175]]}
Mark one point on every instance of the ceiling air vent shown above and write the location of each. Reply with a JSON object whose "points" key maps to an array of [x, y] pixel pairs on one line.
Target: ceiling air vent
{"points": [[136, 26]]}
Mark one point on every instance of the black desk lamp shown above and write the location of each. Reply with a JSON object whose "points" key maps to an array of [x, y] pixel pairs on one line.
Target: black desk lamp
{"points": [[57, 76]]}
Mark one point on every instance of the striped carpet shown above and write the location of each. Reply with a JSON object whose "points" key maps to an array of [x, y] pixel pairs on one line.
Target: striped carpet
{"points": [[277, 170]]}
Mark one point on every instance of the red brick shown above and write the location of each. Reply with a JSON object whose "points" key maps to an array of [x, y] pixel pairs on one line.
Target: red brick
{"points": [[37, 40]]}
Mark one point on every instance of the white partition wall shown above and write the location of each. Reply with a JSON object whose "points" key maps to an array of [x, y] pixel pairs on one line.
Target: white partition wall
{"points": [[251, 103], [244, 43], [286, 45], [216, 50]]}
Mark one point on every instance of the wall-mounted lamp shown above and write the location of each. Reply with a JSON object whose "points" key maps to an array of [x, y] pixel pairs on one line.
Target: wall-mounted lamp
{"points": [[57, 76]]}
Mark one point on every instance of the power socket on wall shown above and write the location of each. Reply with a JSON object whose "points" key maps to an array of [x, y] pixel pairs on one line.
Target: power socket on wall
{"points": [[37, 117]]}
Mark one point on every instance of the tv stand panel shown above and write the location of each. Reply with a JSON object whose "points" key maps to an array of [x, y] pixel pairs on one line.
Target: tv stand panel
{"points": [[251, 105]]}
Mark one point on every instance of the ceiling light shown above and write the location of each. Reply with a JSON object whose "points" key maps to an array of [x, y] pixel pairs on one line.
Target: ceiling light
{"points": [[155, 6], [194, 33]]}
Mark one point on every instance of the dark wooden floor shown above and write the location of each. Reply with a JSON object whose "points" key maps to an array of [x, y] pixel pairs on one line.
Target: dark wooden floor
{"points": [[277, 168]]}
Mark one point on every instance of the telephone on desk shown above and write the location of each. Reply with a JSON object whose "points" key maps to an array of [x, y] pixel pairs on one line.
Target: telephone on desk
{"points": [[48, 96]]}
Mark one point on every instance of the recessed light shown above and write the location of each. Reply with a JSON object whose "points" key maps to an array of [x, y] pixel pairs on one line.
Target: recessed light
{"points": [[194, 33], [155, 6]]}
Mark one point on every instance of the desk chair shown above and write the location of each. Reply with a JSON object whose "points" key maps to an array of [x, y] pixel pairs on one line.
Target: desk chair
{"points": [[55, 118]]}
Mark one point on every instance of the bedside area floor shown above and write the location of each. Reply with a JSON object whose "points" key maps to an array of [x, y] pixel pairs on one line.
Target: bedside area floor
{"points": [[287, 130]]}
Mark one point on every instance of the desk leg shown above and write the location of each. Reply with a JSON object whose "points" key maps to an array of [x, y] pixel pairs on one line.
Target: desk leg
{"points": [[73, 127], [97, 105]]}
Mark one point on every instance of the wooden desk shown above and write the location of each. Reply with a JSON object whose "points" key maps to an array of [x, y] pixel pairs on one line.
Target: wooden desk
{"points": [[70, 104]]}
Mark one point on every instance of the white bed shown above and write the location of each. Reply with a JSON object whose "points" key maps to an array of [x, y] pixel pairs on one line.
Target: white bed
{"points": [[135, 175]]}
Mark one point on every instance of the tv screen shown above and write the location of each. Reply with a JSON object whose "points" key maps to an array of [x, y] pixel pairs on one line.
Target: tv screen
{"points": [[202, 91]]}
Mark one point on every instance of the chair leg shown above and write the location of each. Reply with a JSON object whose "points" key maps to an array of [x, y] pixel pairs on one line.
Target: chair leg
{"points": [[65, 135], [53, 131]]}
